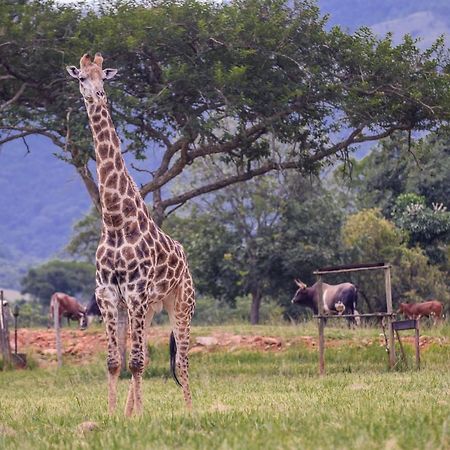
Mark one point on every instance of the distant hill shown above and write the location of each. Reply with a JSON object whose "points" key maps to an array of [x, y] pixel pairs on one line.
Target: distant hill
{"points": [[41, 196]]}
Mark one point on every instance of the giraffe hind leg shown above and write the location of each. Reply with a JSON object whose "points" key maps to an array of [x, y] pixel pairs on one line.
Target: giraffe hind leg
{"points": [[180, 307]]}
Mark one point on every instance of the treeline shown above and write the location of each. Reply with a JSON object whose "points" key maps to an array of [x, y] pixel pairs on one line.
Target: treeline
{"points": [[247, 243]]}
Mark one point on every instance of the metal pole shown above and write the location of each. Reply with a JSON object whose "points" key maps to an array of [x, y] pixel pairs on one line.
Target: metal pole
{"points": [[15, 334], [321, 327], [57, 333], [417, 342], [391, 338], [4, 334]]}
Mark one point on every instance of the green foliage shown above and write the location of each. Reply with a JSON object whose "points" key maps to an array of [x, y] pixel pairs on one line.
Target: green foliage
{"points": [[369, 237], [70, 277], [209, 311], [228, 78], [424, 224], [85, 237], [32, 314]]}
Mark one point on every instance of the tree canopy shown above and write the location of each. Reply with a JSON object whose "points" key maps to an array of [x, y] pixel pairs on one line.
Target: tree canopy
{"points": [[262, 85]]}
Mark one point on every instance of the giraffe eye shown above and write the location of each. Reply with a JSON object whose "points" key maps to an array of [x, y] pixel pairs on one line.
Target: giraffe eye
{"points": [[82, 79]]}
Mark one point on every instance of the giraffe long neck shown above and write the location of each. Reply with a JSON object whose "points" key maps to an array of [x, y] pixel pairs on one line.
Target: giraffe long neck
{"points": [[119, 197]]}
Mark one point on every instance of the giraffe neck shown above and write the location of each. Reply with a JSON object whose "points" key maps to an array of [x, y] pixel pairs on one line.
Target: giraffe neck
{"points": [[120, 199]]}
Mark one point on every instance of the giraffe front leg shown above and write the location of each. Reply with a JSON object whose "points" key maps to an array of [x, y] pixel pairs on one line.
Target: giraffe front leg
{"points": [[137, 359], [107, 302]]}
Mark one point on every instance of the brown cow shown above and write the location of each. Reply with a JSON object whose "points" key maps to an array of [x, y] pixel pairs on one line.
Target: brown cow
{"points": [[430, 308], [68, 307]]}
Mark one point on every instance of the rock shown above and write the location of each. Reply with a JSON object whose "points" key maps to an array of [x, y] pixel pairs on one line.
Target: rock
{"points": [[86, 427], [7, 431], [207, 341]]}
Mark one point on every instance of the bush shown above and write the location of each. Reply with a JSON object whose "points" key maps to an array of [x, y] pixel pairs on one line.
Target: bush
{"points": [[209, 311]]}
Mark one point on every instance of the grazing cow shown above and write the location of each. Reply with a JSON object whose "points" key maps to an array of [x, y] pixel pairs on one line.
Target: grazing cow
{"points": [[68, 307], [92, 310], [337, 299], [430, 308]]}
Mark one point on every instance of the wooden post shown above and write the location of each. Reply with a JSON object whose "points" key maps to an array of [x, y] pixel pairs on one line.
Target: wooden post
{"points": [[321, 327], [391, 339], [57, 333], [122, 333], [4, 334], [417, 342]]}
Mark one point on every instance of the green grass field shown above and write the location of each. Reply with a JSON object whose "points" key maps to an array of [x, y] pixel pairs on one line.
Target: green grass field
{"points": [[242, 400]]}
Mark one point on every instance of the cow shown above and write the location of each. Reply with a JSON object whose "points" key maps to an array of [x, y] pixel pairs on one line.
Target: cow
{"points": [[337, 299], [92, 310], [429, 308], [68, 307]]}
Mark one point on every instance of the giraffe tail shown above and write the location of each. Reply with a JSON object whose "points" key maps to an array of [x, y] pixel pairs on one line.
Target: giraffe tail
{"points": [[173, 354]]}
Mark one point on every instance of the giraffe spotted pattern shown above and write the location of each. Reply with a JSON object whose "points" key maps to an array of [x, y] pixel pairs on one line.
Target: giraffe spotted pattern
{"points": [[137, 264]]}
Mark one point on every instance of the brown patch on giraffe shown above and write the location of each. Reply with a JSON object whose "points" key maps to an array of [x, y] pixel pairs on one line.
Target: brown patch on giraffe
{"points": [[173, 260], [164, 243], [170, 273], [113, 220], [98, 108], [112, 151], [122, 184], [143, 222], [143, 247], [111, 181], [96, 118], [118, 161], [112, 201], [162, 286], [128, 252], [132, 232], [103, 150], [100, 252], [104, 112], [154, 233], [160, 272], [161, 257], [103, 123], [96, 127], [114, 138], [103, 136], [128, 207], [104, 171]]}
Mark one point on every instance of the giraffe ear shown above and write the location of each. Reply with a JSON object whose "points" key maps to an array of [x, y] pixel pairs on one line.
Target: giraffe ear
{"points": [[109, 73], [73, 71]]}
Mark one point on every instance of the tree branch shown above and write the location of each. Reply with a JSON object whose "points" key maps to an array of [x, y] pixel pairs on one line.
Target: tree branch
{"points": [[15, 97]]}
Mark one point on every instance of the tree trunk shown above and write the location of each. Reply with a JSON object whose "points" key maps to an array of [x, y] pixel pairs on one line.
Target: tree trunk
{"points": [[256, 303]]}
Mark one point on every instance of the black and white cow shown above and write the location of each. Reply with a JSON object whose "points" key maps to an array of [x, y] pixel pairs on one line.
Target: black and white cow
{"points": [[337, 299], [92, 310]]}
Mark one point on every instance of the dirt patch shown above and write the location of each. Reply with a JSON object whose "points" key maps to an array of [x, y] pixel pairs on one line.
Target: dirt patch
{"points": [[81, 347]]}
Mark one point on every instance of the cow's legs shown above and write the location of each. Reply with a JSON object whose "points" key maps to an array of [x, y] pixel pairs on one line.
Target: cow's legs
{"points": [[180, 307], [107, 300], [129, 406]]}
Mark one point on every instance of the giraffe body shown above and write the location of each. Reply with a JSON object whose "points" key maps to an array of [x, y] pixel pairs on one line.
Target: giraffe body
{"points": [[138, 266]]}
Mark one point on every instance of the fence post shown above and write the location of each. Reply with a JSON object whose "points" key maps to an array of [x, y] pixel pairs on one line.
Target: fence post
{"points": [[57, 332], [321, 327], [417, 344], [4, 334], [391, 338]]}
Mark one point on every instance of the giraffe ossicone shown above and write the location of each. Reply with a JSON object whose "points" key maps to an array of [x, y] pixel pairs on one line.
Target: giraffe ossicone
{"points": [[137, 264]]}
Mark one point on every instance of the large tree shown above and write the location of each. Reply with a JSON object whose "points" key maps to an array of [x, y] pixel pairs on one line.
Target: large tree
{"points": [[232, 81]]}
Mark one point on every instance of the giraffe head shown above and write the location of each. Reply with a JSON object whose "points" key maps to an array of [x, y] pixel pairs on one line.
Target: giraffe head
{"points": [[91, 77]]}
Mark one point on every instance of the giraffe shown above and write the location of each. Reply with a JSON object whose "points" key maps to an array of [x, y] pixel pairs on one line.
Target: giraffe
{"points": [[138, 266]]}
